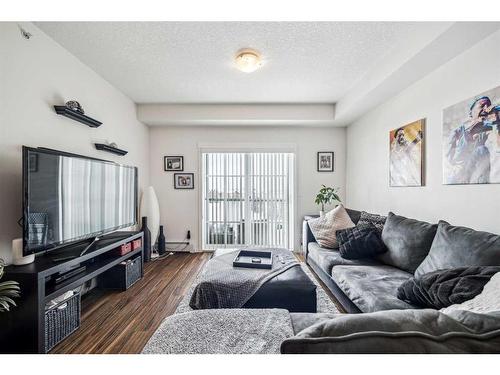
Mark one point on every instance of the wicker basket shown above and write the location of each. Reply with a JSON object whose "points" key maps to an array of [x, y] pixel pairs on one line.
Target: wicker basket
{"points": [[123, 275], [133, 274], [62, 320]]}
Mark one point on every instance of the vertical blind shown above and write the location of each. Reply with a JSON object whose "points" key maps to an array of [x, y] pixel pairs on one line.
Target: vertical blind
{"points": [[247, 199], [93, 196]]}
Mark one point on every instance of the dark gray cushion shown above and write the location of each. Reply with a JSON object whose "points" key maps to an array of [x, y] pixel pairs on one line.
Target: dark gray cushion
{"points": [[408, 241], [397, 331], [327, 258], [372, 288], [377, 220], [354, 215], [360, 242], [460, 247]]}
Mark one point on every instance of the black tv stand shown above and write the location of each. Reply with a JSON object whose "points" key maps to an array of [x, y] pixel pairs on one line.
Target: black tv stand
{"points": [[23, 328]]}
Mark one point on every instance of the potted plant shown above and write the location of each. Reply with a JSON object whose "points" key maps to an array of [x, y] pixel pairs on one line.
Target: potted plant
{"points": [[8, 291], [326, 195]]}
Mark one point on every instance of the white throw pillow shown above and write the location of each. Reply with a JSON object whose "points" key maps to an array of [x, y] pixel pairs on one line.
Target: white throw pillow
{"points": [[323, 228], [486, 302]]}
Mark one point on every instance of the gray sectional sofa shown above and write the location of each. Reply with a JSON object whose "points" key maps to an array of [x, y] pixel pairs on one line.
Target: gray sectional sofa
{"points": [[370, 285]]}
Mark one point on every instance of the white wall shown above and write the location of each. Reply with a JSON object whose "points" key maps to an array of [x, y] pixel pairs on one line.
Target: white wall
{"points": [[35, 74], [179, 208], [477, 206]]}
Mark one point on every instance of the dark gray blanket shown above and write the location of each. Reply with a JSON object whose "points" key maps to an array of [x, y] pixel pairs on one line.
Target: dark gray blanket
{"points": [[444, 288], [223, 286]]}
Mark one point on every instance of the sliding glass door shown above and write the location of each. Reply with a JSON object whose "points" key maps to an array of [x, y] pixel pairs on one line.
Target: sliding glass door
{"points": [[247, 199]]}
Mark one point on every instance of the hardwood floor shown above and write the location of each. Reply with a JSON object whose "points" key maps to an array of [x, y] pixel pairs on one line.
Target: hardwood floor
{"points": [[122, 322]]}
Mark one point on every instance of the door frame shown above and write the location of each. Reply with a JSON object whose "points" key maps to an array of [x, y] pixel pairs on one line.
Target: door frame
{"points": [[247, 147]]}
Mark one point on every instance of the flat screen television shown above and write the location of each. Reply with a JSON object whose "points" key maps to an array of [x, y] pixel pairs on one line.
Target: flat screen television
{"points": [[70, 198]]}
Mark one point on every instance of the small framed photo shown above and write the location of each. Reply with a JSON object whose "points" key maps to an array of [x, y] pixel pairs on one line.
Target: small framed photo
{"points": [[325, 161], [183, 180], [173, 163]]}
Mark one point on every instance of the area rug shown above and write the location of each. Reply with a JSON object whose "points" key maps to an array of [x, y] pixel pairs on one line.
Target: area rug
{"points": [[222, 331], [324, 303]]}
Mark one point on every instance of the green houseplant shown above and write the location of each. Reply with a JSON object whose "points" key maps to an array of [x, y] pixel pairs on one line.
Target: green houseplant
{"points": [[8, 291], [326, 195]]}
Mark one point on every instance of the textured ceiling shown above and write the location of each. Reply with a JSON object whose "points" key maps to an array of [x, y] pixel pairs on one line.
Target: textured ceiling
{"points": [[192, 62]]}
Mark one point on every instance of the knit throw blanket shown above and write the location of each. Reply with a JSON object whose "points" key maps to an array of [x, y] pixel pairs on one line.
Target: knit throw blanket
{"points": [[443, 288], [224, 286]]}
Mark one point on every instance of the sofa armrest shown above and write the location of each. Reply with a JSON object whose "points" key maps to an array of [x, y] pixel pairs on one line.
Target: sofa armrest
{"points": [[307, 235], [399, 331], [397, 343]]}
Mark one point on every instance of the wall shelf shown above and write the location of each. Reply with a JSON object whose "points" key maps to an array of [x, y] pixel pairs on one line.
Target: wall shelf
{"points": [[74, 115], [108, 148]]}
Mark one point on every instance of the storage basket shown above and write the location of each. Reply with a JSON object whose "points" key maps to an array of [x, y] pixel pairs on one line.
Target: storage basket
{"points": [[133, 271], [123, 275], [62, 320]]}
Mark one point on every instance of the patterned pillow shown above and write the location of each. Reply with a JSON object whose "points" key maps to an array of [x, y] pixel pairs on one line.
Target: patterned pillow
{"points": [[361, 241], [324, 228], [377, 220], [345, 235]]}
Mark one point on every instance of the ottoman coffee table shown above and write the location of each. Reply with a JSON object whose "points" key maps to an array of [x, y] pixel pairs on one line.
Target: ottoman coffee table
{"points": [[292, 290]]}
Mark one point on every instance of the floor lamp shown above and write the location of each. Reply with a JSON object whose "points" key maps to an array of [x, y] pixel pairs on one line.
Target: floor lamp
{"points": [[151, 209]]}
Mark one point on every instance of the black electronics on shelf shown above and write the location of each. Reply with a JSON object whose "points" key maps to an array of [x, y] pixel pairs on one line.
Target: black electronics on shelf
{"points": [[108, 148], [77, 116]]}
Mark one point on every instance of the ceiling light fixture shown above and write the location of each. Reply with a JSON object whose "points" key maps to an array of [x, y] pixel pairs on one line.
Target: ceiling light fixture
{"points": [[248, 60]]}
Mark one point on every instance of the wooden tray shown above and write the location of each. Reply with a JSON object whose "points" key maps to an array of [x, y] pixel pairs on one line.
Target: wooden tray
{"points": [[254, 259]]}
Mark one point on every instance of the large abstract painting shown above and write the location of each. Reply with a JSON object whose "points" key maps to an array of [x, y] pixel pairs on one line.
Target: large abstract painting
{"points": [[406, 155], [471, 140]]}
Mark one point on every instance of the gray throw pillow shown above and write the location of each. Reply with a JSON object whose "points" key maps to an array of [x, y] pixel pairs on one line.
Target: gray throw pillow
{"points": [[460, 247], [408, 242], [377, 220]]}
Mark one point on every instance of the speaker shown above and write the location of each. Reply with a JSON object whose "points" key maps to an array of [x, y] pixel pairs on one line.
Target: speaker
{"points": [[17, 253]]}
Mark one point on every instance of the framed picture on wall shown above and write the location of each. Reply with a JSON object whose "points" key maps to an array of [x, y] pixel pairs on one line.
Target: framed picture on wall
{"points": [[325, 161], [183, 180], [173, 163], [471, 140], [406, 155]]}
